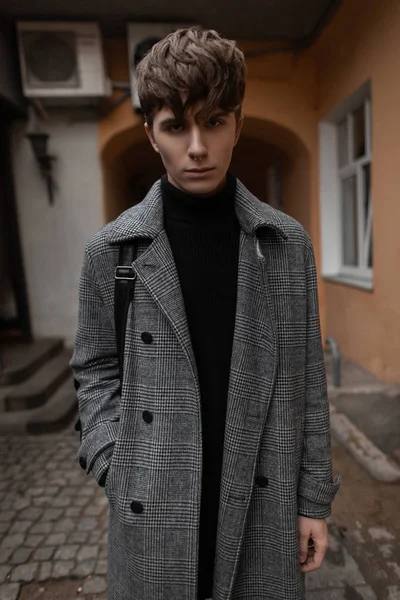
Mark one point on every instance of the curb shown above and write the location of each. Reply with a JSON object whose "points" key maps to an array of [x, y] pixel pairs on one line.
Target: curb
{"points": [[376, 462]]}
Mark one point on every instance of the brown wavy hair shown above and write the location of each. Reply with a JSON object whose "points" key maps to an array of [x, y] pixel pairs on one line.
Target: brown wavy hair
{"points": [[196, 64]]}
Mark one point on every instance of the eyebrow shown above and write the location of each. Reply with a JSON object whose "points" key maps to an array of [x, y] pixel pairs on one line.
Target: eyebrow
{"points": [[173, 120], [168, 121]]}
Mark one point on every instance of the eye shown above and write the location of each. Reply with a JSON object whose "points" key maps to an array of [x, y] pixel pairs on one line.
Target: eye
{"points": [[175, 127], [214, 122]]}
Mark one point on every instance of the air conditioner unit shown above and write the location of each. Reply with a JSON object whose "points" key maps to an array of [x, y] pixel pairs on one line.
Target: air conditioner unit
{"points": [[141, 37], [62, 63]]}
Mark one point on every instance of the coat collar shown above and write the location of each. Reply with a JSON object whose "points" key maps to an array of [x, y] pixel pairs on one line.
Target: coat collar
{"points": [[145, 220]]}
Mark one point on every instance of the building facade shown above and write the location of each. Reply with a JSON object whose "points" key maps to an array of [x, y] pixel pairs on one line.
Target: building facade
{"points": [[320, 142]]}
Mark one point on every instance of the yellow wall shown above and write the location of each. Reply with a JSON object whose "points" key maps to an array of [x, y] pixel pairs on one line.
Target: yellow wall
{"points": [[362, 43]]}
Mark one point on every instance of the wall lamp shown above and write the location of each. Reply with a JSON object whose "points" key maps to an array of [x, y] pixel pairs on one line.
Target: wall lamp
{"points": [[39, 146]]}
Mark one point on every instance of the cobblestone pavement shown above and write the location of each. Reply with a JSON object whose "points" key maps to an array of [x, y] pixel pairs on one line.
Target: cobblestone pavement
{"points": [[54, 518]]}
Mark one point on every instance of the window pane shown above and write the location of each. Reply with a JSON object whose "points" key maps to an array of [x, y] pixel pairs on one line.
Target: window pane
{"points": [[359, 132], [370, 261], [343, 155], [368, 212], [350, 221]]}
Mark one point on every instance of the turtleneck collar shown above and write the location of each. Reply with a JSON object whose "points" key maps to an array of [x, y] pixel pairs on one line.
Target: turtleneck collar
{"points": [[181, 206]]}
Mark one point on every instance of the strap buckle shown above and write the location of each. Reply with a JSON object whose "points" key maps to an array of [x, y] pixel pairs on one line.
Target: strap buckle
{"points": [[125, 272]]}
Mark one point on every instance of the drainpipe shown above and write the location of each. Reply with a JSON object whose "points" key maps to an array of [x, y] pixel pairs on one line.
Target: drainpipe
{"points": [[333, 345]]}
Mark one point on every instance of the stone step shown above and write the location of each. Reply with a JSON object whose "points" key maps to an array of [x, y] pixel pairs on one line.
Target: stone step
{"points": [[36, 390], [58, 411], [56, 414], [21, 360]]}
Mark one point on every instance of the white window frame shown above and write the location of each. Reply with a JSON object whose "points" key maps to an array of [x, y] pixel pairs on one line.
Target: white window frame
{"points": [[331, 178]]}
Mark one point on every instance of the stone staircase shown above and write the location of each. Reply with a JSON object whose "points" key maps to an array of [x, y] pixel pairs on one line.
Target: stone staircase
{"points": [[36, 387]]}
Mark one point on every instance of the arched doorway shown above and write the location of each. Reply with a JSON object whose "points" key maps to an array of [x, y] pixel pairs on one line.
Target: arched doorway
{"points": [[269, 159]]}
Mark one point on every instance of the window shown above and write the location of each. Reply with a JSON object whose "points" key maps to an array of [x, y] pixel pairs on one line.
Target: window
{"points": [[345, 191], [354, 170]]}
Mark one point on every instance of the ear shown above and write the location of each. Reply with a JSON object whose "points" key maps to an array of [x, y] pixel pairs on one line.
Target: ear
{"points": [[150, 136], [239, 128]]}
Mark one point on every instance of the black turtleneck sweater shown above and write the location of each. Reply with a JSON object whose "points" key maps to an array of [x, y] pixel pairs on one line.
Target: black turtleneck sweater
{"points": [[204, 236]]}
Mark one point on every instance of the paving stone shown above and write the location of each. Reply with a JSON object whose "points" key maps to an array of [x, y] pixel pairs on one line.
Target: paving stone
{"points": [[44, 571], [94, 537], [5, 554], [4, 527], [87, 490], [4, 571], [84, 568], [101, 500], [67, 552], [60, 481], [21, 503], [104, 537], [31, 513], [61, 502], [62, 568], [7, 515], [51, 514], [101, 567], [43, 554], [51, 465], [52, 490], [20, 556], [43, 501], [71, 491], [73, 512], [81, 500], [87, 552], [32, 541], [41, 527], [65, 526], [36, 491], [55, 539], [95, 585], [93, 510], [24, 573], [20, 527], [13, 541], [78, 537], [9, 591], [88, 524]]}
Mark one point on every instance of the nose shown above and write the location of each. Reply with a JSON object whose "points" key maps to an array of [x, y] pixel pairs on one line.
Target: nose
{"points": [[197, 149]]}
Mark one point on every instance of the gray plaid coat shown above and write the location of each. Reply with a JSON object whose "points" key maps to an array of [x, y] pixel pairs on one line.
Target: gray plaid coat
{"points": [[277, 424]]}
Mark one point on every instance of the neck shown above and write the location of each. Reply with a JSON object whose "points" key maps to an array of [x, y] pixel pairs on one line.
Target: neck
{"points": [[182, 205]]}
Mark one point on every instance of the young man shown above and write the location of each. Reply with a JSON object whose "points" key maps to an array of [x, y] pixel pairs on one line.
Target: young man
{"points": [[215, 449]]}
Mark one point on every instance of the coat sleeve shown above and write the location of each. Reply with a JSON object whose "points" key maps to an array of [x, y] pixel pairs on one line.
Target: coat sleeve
{"points": [[95, 368], [316, 490]]}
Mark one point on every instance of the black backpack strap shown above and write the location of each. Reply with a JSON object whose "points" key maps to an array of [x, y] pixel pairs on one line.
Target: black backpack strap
{"points": [[123, 293]]}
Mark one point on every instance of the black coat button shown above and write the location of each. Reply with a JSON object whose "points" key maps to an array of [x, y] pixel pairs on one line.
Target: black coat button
{"points": [[82, 462], [147, 337], [147, 416], [262, 481], [136, 507]]}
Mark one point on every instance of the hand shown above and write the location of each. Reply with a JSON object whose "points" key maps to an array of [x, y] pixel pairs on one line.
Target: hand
{"points": [[313, 543]]}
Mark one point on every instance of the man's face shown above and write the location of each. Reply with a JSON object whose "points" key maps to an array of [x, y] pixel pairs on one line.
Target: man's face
{"points": [[197, 151]]}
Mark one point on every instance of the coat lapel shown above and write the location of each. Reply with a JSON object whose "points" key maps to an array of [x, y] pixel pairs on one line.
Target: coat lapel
{"points": [[156, 266], [252, 376], [157, 271]]}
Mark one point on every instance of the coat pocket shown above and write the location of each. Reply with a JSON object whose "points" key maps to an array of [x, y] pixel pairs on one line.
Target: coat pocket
{"points": [[127, 492]]}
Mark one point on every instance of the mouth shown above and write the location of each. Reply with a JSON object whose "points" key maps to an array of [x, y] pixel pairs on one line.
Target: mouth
{"points": [[199, 171]]}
